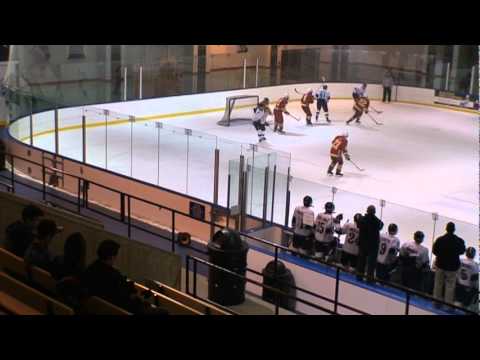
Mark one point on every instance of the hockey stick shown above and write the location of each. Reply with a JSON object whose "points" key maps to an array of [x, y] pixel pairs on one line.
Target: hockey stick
{"points": [[377, 111], [293, 117], [359, 168], [373, 119], [298, 92]]}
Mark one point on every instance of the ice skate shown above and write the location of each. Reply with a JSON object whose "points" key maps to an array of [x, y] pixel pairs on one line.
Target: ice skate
{"points": [[338, 173]]}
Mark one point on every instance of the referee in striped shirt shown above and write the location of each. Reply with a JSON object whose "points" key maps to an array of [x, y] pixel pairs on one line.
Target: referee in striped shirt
{"points": [[323, 96]]}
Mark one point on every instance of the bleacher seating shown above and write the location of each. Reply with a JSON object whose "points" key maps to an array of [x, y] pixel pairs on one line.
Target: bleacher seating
{"points": [[32, 297], [39, 280]]}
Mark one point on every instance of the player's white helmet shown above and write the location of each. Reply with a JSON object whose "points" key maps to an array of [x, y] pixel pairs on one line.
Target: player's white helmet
{"points": [[309, 91], [286, 96]]}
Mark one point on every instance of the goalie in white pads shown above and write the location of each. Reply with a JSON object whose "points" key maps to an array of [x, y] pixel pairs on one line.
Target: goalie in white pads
{"points": [[387, 253], [260, 114], [350, 247], [325, 227]]}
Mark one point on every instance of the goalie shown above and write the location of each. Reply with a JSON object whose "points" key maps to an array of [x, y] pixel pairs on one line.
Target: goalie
{"points": [[260, 114], [361, 103]]}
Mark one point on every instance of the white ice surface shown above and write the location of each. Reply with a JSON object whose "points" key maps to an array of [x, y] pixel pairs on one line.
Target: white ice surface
{"points": [[422, 160]]}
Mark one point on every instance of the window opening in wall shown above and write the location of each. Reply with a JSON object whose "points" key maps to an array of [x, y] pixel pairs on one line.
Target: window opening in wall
{"points": [[76, 52]]}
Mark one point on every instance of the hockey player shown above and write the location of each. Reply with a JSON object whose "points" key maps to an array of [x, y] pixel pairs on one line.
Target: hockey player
{"points": [[323, 97], [387, 253], [350, 247], [338, 149], [306, 100], [467, 279], [260, 114], [278, 111], [325, 227], [361, 103], [303, 223], [415, 262]]}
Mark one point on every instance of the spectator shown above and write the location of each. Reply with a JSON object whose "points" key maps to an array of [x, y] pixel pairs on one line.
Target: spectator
{"points": [[72, 262], [387, 253], [387, 85], [368, 242], [38, 252], [467, 279], [20, 234], [415, 262], [447, 249], [303, 223], [68, 269], [103, 280]]}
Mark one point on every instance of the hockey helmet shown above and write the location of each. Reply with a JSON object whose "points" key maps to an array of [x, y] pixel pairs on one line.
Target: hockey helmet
{"points": [[392, 229], [265, 101], [286, 96], [357, 217], [329, 207], [364, 85], [325, 87], [470, 252], [307, 201], [418, 237], [309, 91]]}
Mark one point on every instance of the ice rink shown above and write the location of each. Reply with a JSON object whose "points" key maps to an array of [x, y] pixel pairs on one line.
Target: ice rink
{"points": [[422, 160]]}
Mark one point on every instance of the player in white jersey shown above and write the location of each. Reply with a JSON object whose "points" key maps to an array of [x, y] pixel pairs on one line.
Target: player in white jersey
{"points": [[303, 226], [325, 226], [467, 280], [259, 120], [415, 262], [323, 97], [360, 91], [350, 246], [387, 253]]}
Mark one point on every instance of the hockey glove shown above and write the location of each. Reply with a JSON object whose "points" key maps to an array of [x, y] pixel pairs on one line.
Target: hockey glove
{"points": [[287, 113]]}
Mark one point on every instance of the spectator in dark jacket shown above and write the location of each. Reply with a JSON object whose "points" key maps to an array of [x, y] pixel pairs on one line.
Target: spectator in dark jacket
{"points": [[20, 234], [368, 242], [68, 270], [447, 249], [72, 262], [103, 280], [38, 253]]}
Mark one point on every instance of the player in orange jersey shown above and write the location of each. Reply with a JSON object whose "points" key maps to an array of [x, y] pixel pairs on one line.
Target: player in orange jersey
{"points": [[278, 111], [337, 151], [306, 100]]}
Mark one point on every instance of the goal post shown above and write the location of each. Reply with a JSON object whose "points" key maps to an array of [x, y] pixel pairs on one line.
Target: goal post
{"points": [[238, 108]]}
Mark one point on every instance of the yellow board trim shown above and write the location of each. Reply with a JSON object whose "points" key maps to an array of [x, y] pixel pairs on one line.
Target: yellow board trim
{"points": [[206, 111]]}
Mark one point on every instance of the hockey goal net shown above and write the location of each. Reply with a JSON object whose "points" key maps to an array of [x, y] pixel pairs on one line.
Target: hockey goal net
{"points": [[239, 108]]}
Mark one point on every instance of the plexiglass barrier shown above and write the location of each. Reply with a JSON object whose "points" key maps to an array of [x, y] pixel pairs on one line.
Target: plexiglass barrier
{"points": [[176, 70]]}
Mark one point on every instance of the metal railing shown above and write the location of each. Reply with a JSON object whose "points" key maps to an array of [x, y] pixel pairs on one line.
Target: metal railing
{"points": [[125, 217]]}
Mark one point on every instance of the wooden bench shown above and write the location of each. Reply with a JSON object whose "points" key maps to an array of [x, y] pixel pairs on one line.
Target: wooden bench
{"points": [[172, 306], [197, 304], [32, 297], [13, 306], [32, 275], [97, 306]]}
